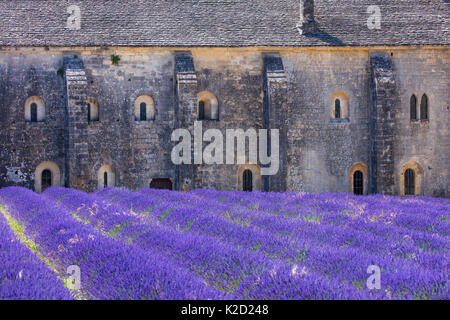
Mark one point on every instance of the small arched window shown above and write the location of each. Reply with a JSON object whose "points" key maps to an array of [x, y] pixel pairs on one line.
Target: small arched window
{"points": [[410, 186], [337, 109], [413, 108], [208, 106], [33, 111], [424, 108], [46, 179], [248, 181], [144, 108], [92, 110], [358, 183], [143, 111], [105, 179], [201, 110]]}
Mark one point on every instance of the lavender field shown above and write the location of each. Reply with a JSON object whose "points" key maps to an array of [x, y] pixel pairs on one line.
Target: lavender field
{"points": [[156, 244]]}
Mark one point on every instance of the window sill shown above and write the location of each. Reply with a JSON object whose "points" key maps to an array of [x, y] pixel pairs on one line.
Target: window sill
{"points": [[340, 121], [420, 122], [35, 122]]}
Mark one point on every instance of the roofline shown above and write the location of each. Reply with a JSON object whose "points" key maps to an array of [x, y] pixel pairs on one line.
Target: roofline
{"points": [[184, 47]]}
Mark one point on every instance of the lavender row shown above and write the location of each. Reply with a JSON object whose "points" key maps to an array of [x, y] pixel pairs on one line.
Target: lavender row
{"points": [[110, 269], [23, 276]]}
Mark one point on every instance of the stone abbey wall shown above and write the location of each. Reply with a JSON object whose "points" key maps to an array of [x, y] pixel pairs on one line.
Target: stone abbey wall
{"points": [[290, 89]]}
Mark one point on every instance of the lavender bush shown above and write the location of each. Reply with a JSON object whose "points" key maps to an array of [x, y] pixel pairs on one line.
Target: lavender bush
{"points": [[23, 276]]}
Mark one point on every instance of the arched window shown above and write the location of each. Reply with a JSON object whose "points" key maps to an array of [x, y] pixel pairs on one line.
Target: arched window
{"points": [[144, 108], [105, 179], [358, 183], [424, 108], [208, 106], [413, 108], [337, 109], [248, 181], [410, 186], [143, 111], [46, 179], [201, 110], [33, 110]]}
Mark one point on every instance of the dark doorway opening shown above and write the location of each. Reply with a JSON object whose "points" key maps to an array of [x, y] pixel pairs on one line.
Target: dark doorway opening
{"points": [[162, 183], [358, 183], [248, 181], [410, 185], [105, 180], [46, 179]]}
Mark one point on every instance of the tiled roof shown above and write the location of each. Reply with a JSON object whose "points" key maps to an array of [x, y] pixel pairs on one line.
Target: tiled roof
{"points": [[225, 23]]}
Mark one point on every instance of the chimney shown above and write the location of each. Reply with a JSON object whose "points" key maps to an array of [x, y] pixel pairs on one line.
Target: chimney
{"points": [[306, 23]]}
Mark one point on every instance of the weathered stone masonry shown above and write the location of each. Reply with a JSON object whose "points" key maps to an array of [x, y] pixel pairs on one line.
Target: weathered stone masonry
{"points": [[262, 74], [382, 124]]}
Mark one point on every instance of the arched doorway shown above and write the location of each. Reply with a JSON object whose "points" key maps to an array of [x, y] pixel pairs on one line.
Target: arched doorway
{"points": [[410, 186], [47, 174], [247, 181], [358, 179], [411, 176], [249, 177], [358, 183], [46, 179], [161, 183]]}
